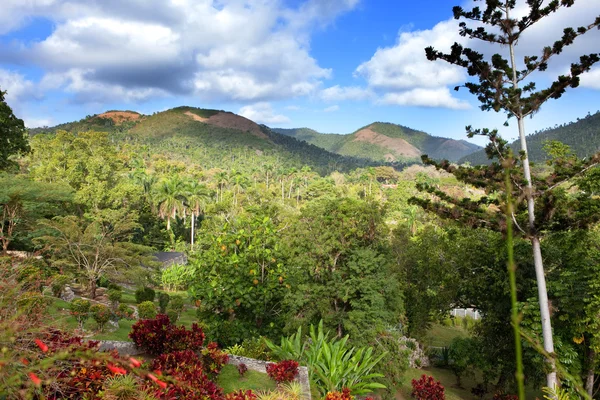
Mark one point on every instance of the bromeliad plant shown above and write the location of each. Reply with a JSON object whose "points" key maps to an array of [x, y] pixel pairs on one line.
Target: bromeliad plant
{"points": [[332, 364]]}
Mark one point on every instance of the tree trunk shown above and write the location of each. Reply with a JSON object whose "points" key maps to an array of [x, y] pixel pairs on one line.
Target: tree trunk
{"points": [[551, 380], [589, 379], [192, 237], [92, 289]]}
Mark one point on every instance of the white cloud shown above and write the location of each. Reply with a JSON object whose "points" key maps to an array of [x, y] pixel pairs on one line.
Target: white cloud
{"points": [[332, 108], [17, 87], [223, 51], [439, 97], [340, 93], [263, 113], [591, 79], [38, 122], [293, 108]]}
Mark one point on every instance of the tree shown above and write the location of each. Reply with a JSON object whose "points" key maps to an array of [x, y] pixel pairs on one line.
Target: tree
{"points": [[13, 136], [197, 196], [503, 85], [97, 246], [170, 197]]}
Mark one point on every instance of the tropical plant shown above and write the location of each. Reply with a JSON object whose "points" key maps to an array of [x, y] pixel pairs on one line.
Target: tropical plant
{"points": [[427, 388], [144, 294], [80, 309], [283, 371], [101, 314], [13, 136], [163, 302], [147, 310]]}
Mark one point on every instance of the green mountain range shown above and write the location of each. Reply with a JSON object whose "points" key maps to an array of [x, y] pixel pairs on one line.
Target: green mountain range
{"points": [[211, 139], [583, 136], [385, 142]]}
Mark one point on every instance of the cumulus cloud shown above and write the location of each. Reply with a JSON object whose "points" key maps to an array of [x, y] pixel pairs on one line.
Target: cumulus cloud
{"points": [[591, 79], [332, 108], [263, 113], [439, 97], [230, 50], [340, 93], [17, 87]]}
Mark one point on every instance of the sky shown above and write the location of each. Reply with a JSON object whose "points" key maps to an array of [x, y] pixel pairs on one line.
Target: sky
{"points": [[330, 65]]}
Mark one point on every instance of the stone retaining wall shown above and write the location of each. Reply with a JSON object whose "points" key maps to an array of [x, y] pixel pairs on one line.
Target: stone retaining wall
{"points": [[129, 349]]}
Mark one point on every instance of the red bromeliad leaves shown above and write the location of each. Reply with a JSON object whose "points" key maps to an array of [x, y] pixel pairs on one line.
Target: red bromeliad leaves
{"points": [[241, 395], [41, 345], [283, 371], [242, 369], [427, 388], [213, 359]]}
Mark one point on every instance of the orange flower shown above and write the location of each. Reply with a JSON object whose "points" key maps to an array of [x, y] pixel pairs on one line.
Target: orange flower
{"points": [[35, 379], [24, 361], [41, 345], [116, 370], [135, 362]]}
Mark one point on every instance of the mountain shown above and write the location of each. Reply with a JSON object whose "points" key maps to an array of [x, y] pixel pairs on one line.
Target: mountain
{"points": [[210, 139], [582, 135], [385, 142]]}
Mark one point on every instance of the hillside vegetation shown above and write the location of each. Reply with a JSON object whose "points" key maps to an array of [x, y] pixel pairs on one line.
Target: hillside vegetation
{"points": [[583, 136]]}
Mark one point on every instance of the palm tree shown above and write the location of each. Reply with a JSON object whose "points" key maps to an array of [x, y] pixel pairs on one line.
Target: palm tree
{"points": [[170, 197], [197, 196]]}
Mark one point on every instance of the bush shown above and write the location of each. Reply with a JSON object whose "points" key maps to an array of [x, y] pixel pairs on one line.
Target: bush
{"points": [[462, 353], [343, 395], [242, 369], [157, 336], [185, 367], [213, 359], [58, 284], [144, 294], [101, 315], [177, 277], [427, 388], [177, 304], [241, 395], [163, 302], [124, 311], [80, 309], [283, 371], [173, 316], [147, 310], [114, 296]]}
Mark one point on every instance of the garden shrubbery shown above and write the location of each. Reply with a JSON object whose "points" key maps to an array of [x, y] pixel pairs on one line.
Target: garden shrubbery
{"points": [[158, 336]]}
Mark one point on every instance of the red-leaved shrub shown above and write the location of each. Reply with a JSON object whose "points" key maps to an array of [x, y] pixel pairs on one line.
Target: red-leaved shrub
{"points": [[241, 395], [242, 369], [283, 371], [213, 359], [427, 388], [503, 396], [158, 336], [343, 395]]}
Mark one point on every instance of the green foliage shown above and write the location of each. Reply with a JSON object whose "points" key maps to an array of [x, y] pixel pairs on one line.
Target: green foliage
{"points": [[13, 136], [461, 353], [176, 277], [177, 303], [332, 363], [163, 302], [147, 310], [101, 314], [144, 294], [114, 296], [58, 284], [394, 364], [80, 309], [173, 316]]}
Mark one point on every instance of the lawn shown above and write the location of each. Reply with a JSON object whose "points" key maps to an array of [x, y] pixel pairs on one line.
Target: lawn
{"points": [[441, 335], [229, 379]]}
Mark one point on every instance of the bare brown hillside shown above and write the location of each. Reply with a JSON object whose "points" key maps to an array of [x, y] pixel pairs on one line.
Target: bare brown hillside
{"points": [[120, 116], [400, 147], [230, 120]]}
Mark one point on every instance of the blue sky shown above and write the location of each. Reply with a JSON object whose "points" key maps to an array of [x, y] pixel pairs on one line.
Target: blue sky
{"points": [[331, 65]]}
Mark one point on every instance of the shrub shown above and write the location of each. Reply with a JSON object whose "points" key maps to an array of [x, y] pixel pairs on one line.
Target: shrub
{"points": [[283, 371], [147, 310], [213, 359], [101, 314], [241, 395], [173, 316], [177, 277], [124, 311], [163, 302], [462, 352], [343, 395], [185, 367], [58, 284], [157, 336], [114, 296], [144, 294], [242, 369], [121, 387], [504, 396], [177, 304], [80, 309], [427, 388]]}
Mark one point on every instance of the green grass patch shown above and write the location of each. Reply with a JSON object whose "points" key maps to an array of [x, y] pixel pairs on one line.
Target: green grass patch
{"points": [[120, 334], [230, 380], [441, 335]]}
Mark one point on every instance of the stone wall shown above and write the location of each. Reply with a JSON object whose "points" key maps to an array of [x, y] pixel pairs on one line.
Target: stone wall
{"points": [[129, 349]]}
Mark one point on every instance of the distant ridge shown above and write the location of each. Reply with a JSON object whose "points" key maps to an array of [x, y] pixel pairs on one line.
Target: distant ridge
{"points": [[583, 136], [382, 141]]}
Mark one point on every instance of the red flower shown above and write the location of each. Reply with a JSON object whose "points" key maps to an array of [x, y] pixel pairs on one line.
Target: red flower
{"points": [[24, 361], [41, 345], [135, 362], [161, 384], [116, 370], [35, 379]]}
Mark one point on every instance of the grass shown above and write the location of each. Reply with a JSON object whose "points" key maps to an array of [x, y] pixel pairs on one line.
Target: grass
{"points": [[229, 379], [441, 335]]}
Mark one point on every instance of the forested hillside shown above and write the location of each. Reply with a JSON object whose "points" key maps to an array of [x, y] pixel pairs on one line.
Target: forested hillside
{"points": [[385, 142], [583, 136]]}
